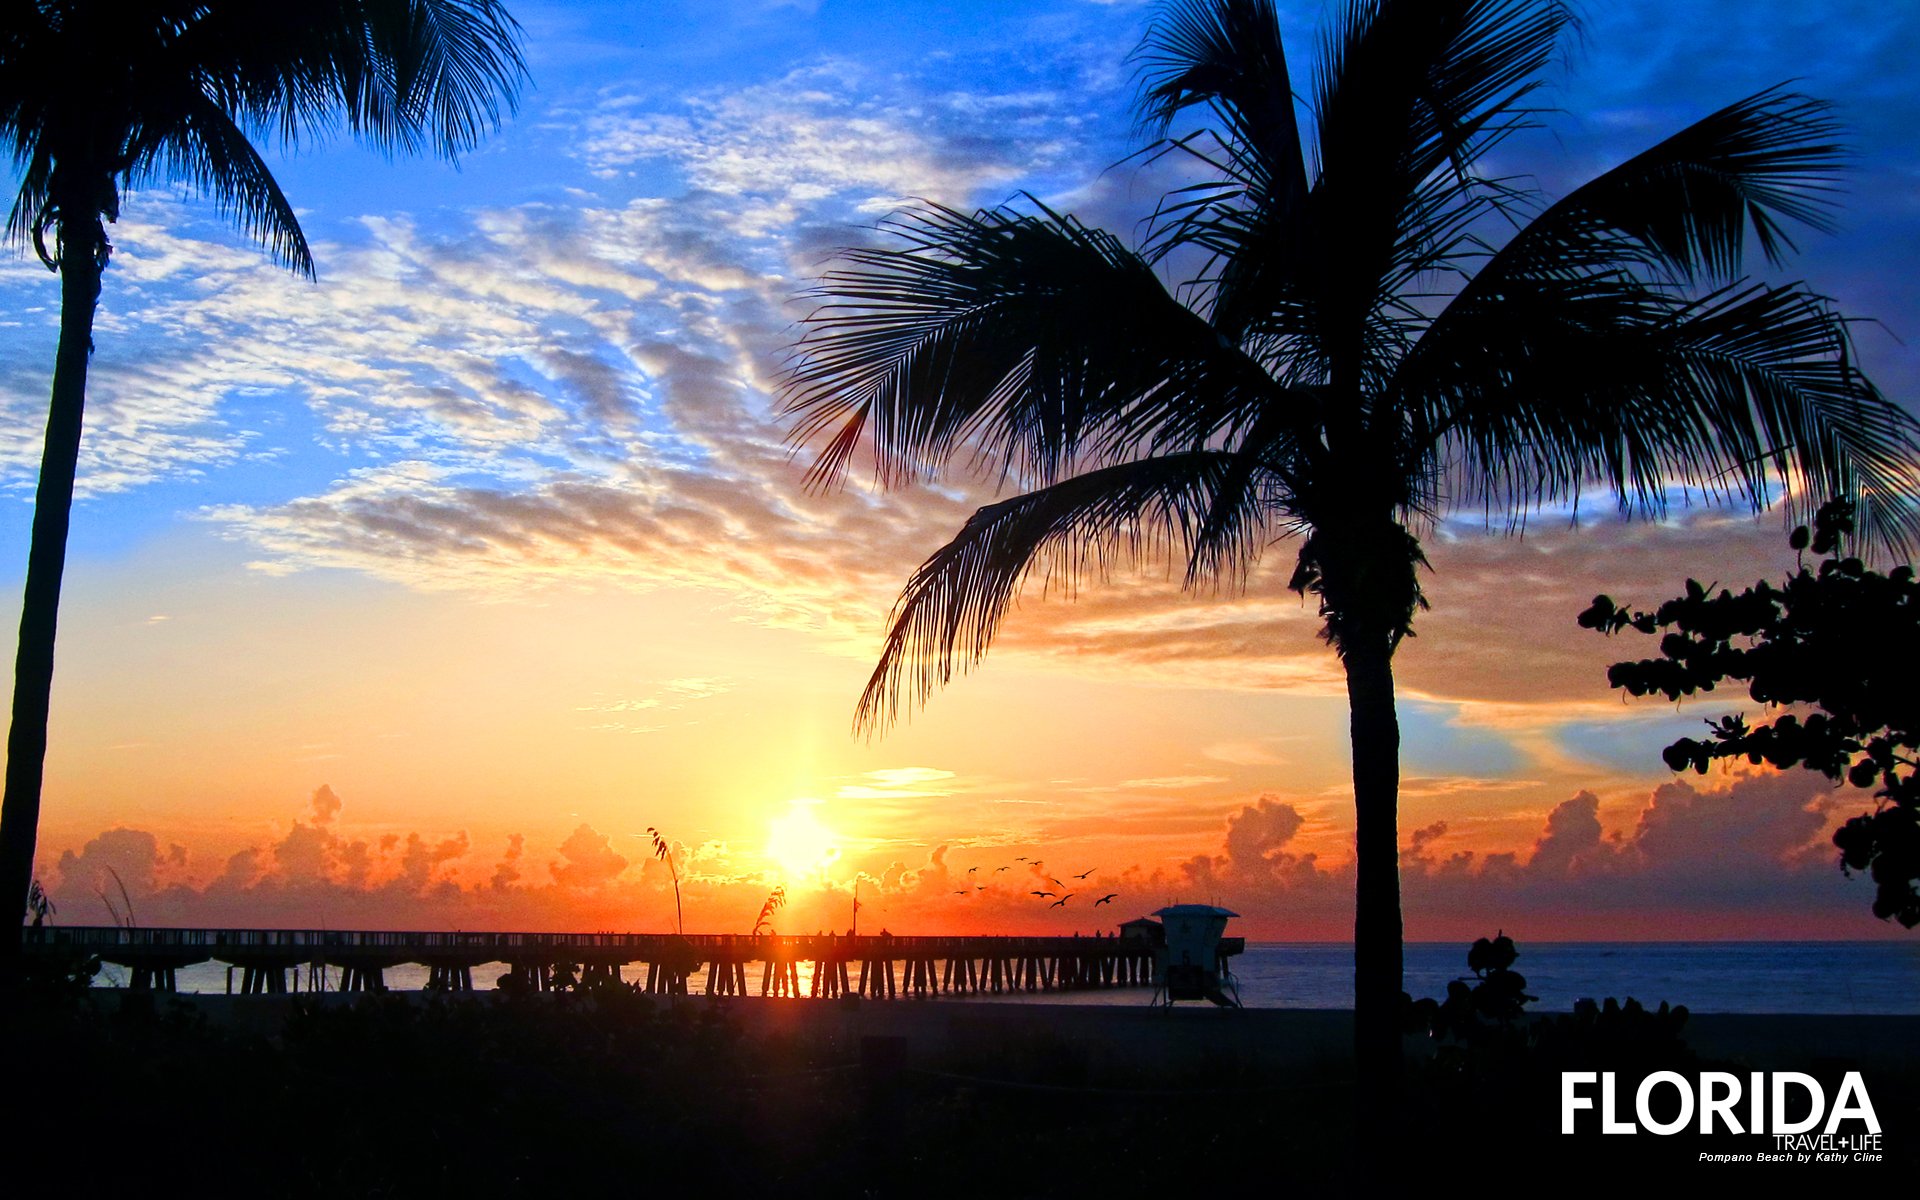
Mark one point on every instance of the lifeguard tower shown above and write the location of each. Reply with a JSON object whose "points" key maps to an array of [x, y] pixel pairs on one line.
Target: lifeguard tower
{"points": [[1193, 964]]}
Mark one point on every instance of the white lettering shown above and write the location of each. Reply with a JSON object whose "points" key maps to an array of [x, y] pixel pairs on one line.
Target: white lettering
{"points": [[1608, 1107], [1717, 1094], [1816, 1095], [1571, 1101], [1680, 1085], [1850, 1087], [1727, 1086]]}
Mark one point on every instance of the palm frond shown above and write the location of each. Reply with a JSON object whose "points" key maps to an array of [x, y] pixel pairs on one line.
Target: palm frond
{"points": [[1227, 54], [1030, 340], [1591, 289], [952, 606], [404, 75], [30, 77], [1685, 205], [1407, 89], [1407, 97], [177, 89], [1744, 394], [200, 144]]}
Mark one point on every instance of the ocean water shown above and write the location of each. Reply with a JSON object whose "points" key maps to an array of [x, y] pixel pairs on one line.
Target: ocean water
{"points": [[1839, 978]]}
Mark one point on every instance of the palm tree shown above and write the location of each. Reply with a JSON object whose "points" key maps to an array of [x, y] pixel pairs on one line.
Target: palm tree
{"points": [[95, 97], [1372, 333]]}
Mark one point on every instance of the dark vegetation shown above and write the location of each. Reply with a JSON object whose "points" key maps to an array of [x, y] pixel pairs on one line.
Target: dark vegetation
{"points": [[1830, 654]]}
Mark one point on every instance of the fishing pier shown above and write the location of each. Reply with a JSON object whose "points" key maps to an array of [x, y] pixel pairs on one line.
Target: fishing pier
{"points": [[818, 966]]}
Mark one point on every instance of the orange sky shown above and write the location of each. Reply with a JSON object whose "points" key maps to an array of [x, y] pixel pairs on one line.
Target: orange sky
{"points": [[324, 749]]}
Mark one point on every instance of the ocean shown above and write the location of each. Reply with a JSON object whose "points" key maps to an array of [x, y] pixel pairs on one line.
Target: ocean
{"points": [[1835, 978]]}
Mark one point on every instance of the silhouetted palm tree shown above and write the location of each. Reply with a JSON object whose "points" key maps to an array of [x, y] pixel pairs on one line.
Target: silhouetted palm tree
{"points": [[1376, 333], [96, 96]]}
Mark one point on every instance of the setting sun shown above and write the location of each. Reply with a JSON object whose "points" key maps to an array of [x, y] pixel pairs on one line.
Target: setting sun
{"points": [[799, 843]]}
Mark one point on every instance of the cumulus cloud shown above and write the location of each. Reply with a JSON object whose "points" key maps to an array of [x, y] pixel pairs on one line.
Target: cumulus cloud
{"points": [[1748, 857], [590, 860], [116, 858], [505, 875], [1745, 856], [313, 876], [325, 805], [1257, 834], [1573, 827]]}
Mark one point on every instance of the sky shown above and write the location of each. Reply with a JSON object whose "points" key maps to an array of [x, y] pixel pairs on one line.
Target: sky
{"points": [[418, 595]]}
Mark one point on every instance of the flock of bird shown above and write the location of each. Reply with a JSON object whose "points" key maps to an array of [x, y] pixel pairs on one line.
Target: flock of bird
{"points": [[1038, 868]]}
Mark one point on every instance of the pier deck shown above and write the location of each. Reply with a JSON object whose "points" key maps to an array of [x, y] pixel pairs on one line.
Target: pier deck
{"points": [[878, 966]]}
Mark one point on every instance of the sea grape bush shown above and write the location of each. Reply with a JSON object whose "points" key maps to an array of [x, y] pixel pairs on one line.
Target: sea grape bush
{"points": [[1830, 653]]}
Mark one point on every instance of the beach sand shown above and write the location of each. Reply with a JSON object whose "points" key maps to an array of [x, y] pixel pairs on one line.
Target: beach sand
{"points": [[1116, 1041]]}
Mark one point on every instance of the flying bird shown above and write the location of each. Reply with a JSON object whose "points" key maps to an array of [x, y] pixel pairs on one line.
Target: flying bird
{"points": [[971, 870], [997, 870], [961, 892], [1104, 899], [1055, 882], [1042, 895], [1084, 874], [979, 887], [1061, 900], [1022, 858]]}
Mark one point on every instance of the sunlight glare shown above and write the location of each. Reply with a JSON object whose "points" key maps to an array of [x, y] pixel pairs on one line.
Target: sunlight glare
{"points": [[799, 843]]}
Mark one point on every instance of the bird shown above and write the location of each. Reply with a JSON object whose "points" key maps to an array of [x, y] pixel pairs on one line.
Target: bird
{"points": [[997, 870], [961, 892], [1055, 882], [1042, 895], [1084, 874], [979, 887], [1022, 858], [1061, 900], [971, 870], [1105, 898]]}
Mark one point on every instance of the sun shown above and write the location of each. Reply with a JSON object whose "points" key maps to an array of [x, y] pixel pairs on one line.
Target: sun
{"points": [[799, 843]]}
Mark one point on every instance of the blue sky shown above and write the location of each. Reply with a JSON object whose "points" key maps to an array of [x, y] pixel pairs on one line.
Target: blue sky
{"points": [[740, 146]]}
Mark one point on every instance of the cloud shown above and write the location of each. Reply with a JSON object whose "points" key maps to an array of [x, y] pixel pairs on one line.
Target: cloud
{"points": [[898, 783], [832, 130], [1244, 754], [507, 873], [544, 395], [313, 876], [591, 860], [671, 696], [1747, 857], [326, 805], [306, 855], [1258, 834], [1573, 828], [131, 856]]}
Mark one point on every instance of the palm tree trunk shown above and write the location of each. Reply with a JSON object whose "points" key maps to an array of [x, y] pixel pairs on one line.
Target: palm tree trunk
{"points": [[81, 242], [1376, 923]]}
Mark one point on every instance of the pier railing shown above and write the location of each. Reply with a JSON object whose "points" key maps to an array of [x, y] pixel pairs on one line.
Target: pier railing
{"points": [[544, 961]]}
